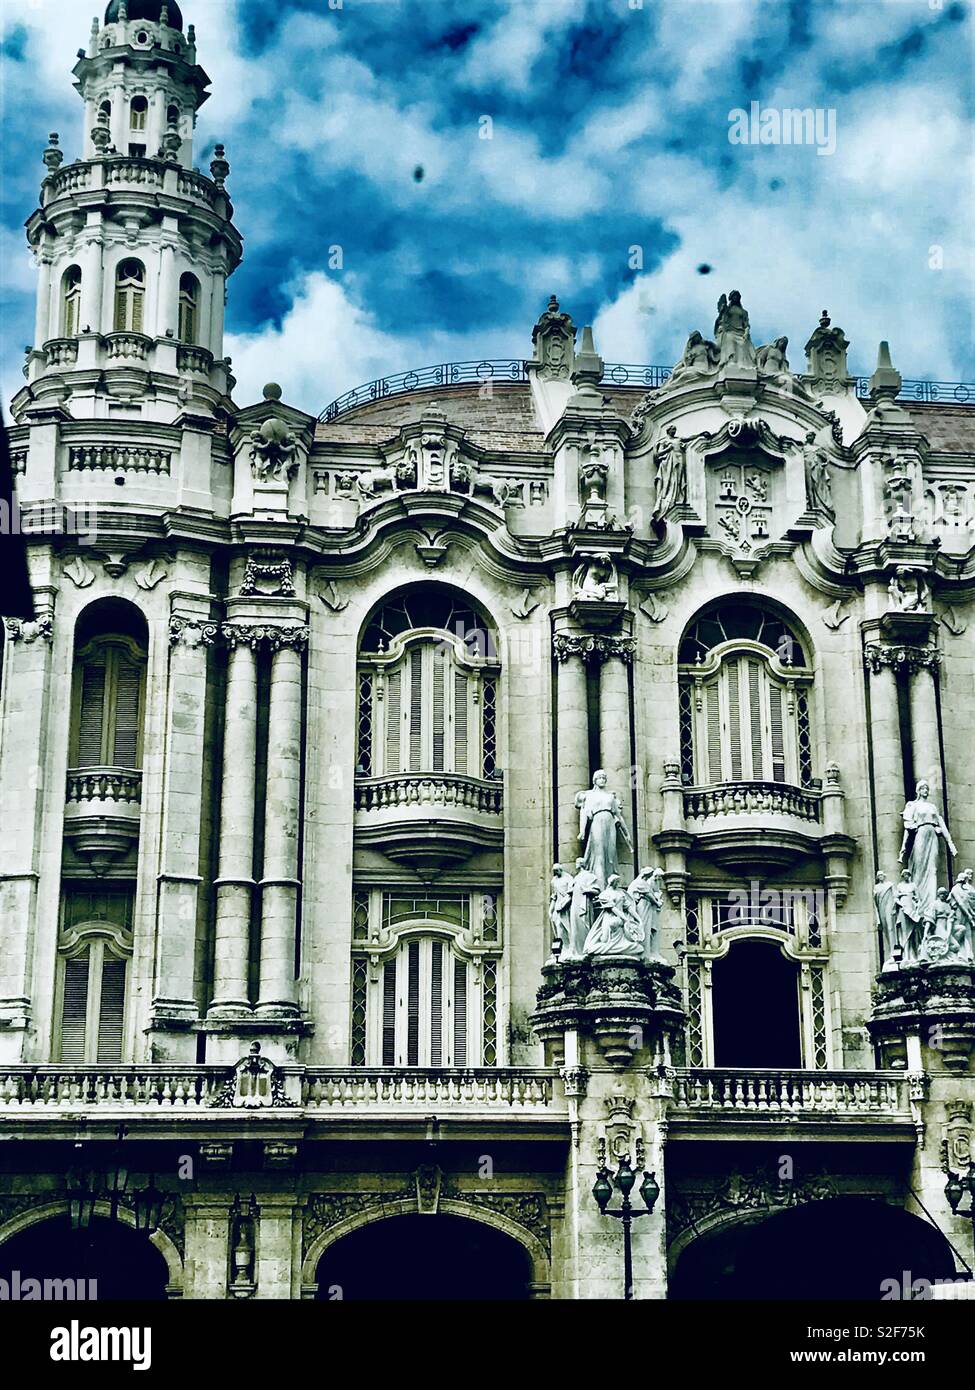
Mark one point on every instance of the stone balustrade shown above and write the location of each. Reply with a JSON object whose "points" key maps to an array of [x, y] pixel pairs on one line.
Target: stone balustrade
{"points": [[744, 798], [104, 784], [71, 179], [117, 171], [754, 1092], [384, 1089], [193, 359], [193, 185], [113, 1087], [119, 458], [61, 352], [132, 345], [145, 172], [419, 789]]}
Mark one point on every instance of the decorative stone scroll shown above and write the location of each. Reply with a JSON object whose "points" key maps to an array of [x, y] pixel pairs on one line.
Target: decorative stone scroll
{"points": [[255, 1084], [254, 635], [190, 632], [879, 656], [26, 630]]}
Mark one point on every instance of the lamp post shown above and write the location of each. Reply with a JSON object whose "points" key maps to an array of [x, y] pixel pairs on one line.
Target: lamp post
{"points": [[956, 1187], [623, 1182]]}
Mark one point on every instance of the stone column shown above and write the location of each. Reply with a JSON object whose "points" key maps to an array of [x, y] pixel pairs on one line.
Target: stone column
{"points": [[216, 314], [572, 741], [925, 733], [42, 319], [276, 1247], [282, 807], [207, 1236], [167, 310], [235, 883], [888, 762], [92, 287], [615, 751]]}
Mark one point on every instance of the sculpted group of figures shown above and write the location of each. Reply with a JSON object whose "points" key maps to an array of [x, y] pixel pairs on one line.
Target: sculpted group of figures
{"points": [[921, 923], [591, 913]]}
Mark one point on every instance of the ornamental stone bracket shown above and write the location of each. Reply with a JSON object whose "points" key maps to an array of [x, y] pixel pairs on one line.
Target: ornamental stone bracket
{"points": [[627, 1010], [929, 1007], [192, 632]]}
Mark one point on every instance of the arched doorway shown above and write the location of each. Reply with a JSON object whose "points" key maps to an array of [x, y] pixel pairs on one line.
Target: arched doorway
{"points": [[414, 1258], [839, 1249], [114, 1261], [755, 1007]]}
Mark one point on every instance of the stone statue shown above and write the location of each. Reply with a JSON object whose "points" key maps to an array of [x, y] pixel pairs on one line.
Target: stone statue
{"points": [[961, 945], [937, 930], [617, 931], [560, 907], [908, 921], [585, 888], [732, 333], [647, 896], [772, 362], [600, 823], [908, 590], [699, 359], [883, 899], [819, 493], [670, 482], [924, 827], [595, 579], [274, 452]]}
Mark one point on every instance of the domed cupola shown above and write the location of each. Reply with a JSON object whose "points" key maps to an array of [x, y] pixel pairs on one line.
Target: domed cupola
{"points": [[151, 10]]}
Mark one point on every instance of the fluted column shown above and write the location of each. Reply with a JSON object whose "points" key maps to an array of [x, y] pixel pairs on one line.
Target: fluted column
{"points": [[888, 761], [235, 883], [615, 751], [572, 736], [282, 807], [925, 738]]}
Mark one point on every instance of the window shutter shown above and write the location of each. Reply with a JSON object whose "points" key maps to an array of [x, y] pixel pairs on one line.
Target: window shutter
{"points": [[91, 716], [460, 722], [393, 713], [714, 733], [127, 689], [137, 301], [439, 702], [74, 1009], [111, 1009], [734, 722], [389, 1013], [778, 738], [460, 1012], [416, 710], [413, 1005], [120, 311], [436, 1003], [755, 719]]}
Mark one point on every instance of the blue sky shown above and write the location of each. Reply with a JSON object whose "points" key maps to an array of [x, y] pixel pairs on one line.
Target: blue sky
{"points": [[361, 127]]}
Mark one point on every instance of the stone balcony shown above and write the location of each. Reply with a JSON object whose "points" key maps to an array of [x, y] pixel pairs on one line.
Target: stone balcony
{"points": [[102, 812], [429, 820], [732, 1102], [742, 823], [113, 174]]}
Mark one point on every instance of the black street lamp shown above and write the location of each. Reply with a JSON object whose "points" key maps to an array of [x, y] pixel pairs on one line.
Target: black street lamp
{"points": [[624, 1182], [956, 1187]]}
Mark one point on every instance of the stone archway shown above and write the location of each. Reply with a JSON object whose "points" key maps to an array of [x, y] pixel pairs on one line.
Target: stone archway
{"points": [[390, 1252], [124, 1263], [843, 1248]]}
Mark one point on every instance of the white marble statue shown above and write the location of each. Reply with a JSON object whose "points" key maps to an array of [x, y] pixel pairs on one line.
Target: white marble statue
{"points": [[585, 889], [595, 580], [617, 930], [732, 332], [699, 360], [937, 930], [883, 898], [647, 894], [601, 825], [961, 945], [560, 907], [670, 480], [909, 922], [924, 829]]}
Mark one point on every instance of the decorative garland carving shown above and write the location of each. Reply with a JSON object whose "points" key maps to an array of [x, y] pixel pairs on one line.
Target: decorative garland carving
{"points": [[593, 650], [267, 578], [900, 657], [761, 1190], [253, 635]]}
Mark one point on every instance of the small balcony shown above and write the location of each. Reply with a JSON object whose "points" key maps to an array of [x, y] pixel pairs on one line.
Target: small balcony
{"points": [[102, 811], [429, 820], [745, 823], [196, 361], [724, 1102], [61, 352]]}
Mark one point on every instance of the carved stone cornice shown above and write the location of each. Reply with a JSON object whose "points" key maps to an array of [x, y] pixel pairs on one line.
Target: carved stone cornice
{"points": [[593, 650], [274, 635], [879, 656]]}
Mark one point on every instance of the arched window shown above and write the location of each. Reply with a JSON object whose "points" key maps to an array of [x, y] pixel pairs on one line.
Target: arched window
{"points": [[138, 113], [428, 688], [744, 699], [108, 688], [94, 951], [130, 294], [189, 308], [70, 302]]}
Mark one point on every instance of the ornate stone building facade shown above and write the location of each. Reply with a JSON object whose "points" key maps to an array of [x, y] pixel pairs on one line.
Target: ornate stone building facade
{"points": [[292, 1001]]}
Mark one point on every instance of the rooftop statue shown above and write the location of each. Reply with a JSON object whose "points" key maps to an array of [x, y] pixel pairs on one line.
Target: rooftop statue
{"points": [[732, 332], [670, 481]]}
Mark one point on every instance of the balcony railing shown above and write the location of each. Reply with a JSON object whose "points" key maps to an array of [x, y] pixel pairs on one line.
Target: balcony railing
{"points": [[110, 1088], [61, 352], [509, 369], [743, 798], [358, 1089], [446, 789], [133, 345], [104, 784], [193, 359], [117, 171], [754, 1092]]}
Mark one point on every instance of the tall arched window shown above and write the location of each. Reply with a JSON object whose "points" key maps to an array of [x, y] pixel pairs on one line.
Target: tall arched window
{"points": [[744, 699], [108, 688], [130, 294], [428, 688], [94, 950], [138, 113], [189, 308], [70, 301]]}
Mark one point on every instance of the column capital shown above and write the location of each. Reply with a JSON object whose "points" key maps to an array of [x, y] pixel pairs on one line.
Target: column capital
{"points": [[593, 650], [879, 656], [255, 635], [191, 632]]}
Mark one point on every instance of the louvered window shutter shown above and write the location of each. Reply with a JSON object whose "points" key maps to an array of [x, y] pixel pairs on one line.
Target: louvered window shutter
{"points": [[439, 706], [460, 722], [389, 1012], [121, 298], [714, 740], [734, 723], [90, 735], [776, 727], [436, 1003], [413, 1005], [416, 710], [460, 1012], [137, 301], [74, 1009], [755, 720], [128, 685], [393, 720], [111, 1009]]}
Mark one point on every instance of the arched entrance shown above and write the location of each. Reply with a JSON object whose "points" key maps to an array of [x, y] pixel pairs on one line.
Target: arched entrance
{"points": [[414, 1258], [114, 1261], [839, 1249]]}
